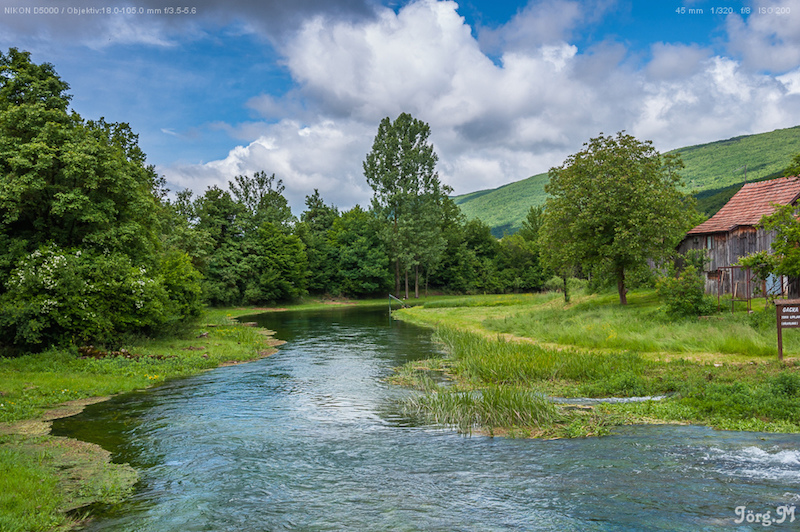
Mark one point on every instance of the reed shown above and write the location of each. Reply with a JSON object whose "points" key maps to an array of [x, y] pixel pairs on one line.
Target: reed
{"points": [[500, 361], [763, 395], [486, 409]]}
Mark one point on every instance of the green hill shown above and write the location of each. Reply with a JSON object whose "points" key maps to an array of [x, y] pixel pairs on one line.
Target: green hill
{"points": [[714, 172]]}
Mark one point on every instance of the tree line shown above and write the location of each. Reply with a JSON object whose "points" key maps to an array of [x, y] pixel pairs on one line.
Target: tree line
{"points": [[92, 247]]}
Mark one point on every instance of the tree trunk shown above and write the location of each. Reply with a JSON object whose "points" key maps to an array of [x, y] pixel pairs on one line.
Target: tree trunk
{"points": [[397, 278], [623, 297], [566, 290], [416, 281], [427, 274], [406, 284]]}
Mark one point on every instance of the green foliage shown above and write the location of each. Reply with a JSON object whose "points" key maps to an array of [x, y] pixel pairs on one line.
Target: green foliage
{"points": [[613, 206], [251, 255], [54, 297], [762, 263], [362, 260], [182, 283], [574, 285], [683, 290], [408, 198], [794, 167], [276, 266], [505, 208], [317, 222], [786, 243], [518, 264], [81, 256], [684, 294], [722, 163]]}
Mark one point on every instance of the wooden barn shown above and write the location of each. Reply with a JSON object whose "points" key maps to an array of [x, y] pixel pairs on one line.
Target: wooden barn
{"points": [[733, 233]]}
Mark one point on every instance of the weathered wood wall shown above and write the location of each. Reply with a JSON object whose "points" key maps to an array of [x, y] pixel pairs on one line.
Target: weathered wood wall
{"points": [[725, 249]]}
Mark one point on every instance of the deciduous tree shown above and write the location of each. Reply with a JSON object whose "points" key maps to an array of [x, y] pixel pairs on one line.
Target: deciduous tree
{"points": [[612, 206], [401, 169]]}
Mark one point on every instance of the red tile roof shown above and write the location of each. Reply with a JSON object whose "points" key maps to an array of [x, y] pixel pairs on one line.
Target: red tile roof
{"points": [[753, 201]]}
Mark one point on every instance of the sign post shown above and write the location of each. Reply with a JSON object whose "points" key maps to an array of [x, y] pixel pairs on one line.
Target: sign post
{"points": [[788, 316]]}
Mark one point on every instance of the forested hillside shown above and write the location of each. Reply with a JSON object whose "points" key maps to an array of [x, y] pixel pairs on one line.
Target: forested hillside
{"points": [[713, 173]]}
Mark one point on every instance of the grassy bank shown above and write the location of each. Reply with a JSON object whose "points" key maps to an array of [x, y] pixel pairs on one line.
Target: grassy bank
{"points": [[46, 480], [721, 371]]}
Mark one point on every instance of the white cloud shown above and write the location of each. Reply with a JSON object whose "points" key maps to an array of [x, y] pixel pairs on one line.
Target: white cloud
{"points": [[305, 157], [770, 38], [676, 61], [492, 121]]}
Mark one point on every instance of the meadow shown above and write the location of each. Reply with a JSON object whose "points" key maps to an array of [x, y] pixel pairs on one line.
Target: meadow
{"points": [[720, 370]]}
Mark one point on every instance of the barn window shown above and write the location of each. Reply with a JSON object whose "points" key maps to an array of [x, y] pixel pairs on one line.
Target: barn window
{"points": [[709, 241]]}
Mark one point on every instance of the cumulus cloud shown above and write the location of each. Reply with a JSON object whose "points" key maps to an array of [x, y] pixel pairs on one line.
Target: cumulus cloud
{"points": [[496, 120], [305, 157], [769, 40], [503, 103], [537, 24]]}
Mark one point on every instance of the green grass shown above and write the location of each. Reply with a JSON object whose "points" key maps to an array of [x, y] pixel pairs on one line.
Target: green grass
{"points": [[718, 372], [487, 408], [38, 481], [30, 497], [713, 172], [32, 382], [642, 326], [598, 322]]}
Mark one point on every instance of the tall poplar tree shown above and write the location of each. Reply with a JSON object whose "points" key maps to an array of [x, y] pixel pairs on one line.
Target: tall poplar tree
{"points": [[401, 169]]}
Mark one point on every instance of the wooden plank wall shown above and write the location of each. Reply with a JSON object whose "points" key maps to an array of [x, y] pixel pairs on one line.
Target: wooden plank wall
{"points": [[726, 249]]}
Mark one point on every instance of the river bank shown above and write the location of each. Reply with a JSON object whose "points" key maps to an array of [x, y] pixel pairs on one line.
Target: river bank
{"points": [[506, 354], [48, 481]]}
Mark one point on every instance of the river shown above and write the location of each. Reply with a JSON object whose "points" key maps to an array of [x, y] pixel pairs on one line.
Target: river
{"points": [[312, 438]]}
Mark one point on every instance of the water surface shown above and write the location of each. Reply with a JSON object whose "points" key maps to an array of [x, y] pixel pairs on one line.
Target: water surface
{"points": [[312, 439]]}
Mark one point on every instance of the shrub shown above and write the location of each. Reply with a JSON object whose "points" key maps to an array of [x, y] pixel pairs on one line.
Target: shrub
{"points": [[54, 296], [684, 294]]}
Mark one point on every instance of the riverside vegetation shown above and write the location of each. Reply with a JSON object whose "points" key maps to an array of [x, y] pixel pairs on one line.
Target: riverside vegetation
{"points": [[506, 354], [47, 480]]}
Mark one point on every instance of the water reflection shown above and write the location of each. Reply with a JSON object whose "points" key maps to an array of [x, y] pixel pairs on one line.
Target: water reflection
{"points": [[311, 439]]}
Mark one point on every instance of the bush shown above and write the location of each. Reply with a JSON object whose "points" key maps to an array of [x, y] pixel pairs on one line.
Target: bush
{"points": [[684, 294], [55, 296]]}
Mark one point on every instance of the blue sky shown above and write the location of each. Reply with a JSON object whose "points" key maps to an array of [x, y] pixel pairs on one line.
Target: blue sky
{"points": [[509, 88]]}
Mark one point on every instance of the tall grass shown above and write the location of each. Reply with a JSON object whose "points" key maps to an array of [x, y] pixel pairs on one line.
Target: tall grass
{"points": [[488, 408], [31, 497], [495, 300], [642, 326], [498, 361]]}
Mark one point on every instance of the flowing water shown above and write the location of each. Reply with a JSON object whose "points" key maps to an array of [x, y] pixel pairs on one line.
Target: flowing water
{"points": [[312, 439]]}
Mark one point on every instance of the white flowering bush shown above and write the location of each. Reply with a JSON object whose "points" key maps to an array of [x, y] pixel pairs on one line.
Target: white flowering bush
{"points": [[57, 296]]}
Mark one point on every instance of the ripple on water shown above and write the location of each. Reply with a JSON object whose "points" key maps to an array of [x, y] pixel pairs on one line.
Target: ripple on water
{"points": [[312, 439]]}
